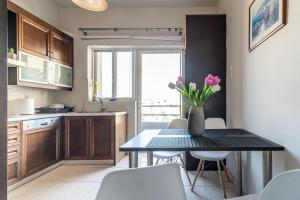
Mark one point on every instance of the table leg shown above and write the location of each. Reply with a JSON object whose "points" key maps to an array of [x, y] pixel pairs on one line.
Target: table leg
{"points": [[133, 159], [267, 166], [239, 174], [149, 158]]}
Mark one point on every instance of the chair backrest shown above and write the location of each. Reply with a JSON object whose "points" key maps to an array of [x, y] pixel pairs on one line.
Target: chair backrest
{"points": [[157, 182], [284, 186], [179, 123], [215, 123]]}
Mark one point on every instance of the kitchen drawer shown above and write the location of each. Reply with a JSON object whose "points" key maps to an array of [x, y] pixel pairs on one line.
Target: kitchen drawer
{"points": [[14, 128], [13, 140], [13, 152], [13, 170]]}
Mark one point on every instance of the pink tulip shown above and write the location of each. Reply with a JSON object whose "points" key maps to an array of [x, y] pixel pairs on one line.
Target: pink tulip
{"points": [[172, 85], [212, 80], [181, 79]]}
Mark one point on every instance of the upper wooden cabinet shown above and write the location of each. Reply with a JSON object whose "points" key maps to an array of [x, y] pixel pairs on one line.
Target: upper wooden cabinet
{"points": [[33, 37], [36, 39], [61, 49], [46, 52]]}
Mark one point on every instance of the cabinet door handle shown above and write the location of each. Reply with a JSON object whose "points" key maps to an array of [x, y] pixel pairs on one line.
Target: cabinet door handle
{"points": [[44, 124], [50, 54]]}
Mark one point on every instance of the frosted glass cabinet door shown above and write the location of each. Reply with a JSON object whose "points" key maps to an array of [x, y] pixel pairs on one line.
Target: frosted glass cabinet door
{"points": [[36, 69], [62, 76]]}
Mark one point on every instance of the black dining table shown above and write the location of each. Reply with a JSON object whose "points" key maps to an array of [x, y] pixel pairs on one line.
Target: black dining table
{"points": [[235, 140]]}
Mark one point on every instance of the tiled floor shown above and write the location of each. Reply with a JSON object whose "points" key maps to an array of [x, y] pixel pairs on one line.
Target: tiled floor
{"points": [[81, 182]]}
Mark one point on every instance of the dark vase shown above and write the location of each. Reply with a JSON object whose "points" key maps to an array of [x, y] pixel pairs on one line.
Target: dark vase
{"points": [[196, 121]]}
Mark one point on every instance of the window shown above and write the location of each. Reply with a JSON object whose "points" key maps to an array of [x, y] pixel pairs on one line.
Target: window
{"points": [[113, 70], [159, 104]]}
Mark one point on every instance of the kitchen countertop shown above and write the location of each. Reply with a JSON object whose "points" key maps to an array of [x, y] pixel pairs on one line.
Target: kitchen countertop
{"points": [[72, 114]]}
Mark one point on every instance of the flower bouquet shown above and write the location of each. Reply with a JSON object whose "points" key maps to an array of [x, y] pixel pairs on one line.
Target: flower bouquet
{"points": [[197, 97]]}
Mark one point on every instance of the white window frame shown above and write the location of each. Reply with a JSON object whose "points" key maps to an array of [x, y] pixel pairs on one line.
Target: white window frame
{"points": [[136, 65], [139, 74], [114, 71]]}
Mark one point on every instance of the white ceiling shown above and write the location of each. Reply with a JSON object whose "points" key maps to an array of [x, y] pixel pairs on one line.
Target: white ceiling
{"points": [[147, 3]]}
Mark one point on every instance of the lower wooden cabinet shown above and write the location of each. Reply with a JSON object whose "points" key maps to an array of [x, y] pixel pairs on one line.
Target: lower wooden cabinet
{"points": [[102, 137], [14, 153], [41, 149], [95, 138], [120, 136], [76, 138], [14, 170], [84, 138]]}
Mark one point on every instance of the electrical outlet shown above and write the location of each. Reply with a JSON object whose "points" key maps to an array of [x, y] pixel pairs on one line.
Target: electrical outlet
{"points": [[230, 71]]}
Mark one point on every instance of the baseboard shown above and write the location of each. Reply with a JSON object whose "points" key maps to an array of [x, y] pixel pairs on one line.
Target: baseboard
{"points": [[87, 162]]}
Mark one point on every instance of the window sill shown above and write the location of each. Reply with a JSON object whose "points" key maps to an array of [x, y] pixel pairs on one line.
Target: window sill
{"points": [[114, 99]]}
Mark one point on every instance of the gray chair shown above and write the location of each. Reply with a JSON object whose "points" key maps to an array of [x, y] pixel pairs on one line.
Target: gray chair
{"points": [[156, 182]]}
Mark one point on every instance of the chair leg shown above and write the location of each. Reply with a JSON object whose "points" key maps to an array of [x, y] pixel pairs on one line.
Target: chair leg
{"points": [[157, 161], [184, 167], [197, 174], [226, 171], [221, 179], [202, 168]]}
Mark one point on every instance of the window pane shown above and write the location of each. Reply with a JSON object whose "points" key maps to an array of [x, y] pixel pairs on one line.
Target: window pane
{"points": [[124, 74], [159, 102], [105, 74]]}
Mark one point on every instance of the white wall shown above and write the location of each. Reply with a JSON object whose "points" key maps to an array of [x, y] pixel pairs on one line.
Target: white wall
{"points": [[42, 97], [44, 9], [74, 18], [47, 11], [263, 94]]}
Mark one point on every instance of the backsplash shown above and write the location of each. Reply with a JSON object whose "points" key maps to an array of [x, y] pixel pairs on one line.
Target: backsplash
{"points": [[42, 97]]}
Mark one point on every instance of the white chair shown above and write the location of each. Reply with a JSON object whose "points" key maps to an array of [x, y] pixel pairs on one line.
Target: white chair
{"points": [[156, 182], [284, 186], [170, 156], [217, 156]]}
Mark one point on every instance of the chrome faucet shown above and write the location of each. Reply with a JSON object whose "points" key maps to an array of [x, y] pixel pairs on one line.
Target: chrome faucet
{"points": [[103, 106]]}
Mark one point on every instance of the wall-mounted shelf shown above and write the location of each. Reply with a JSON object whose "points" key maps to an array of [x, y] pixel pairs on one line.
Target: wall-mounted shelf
{"points": [[15, 63]]}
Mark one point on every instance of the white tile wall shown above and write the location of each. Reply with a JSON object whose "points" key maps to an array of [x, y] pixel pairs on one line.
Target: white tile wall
{"points": [[42, 97]]}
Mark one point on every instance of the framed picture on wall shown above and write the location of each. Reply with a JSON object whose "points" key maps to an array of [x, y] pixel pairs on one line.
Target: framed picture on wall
{"points": [[266, 17]]}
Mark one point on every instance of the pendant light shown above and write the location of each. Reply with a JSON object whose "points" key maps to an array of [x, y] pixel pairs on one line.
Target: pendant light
{"points": [[92, 5]]}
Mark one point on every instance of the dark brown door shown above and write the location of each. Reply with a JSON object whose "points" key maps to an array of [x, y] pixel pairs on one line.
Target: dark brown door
{"points": [[33, 37], [61, 49], [102, 138], [76, 138], [41, 149]]}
